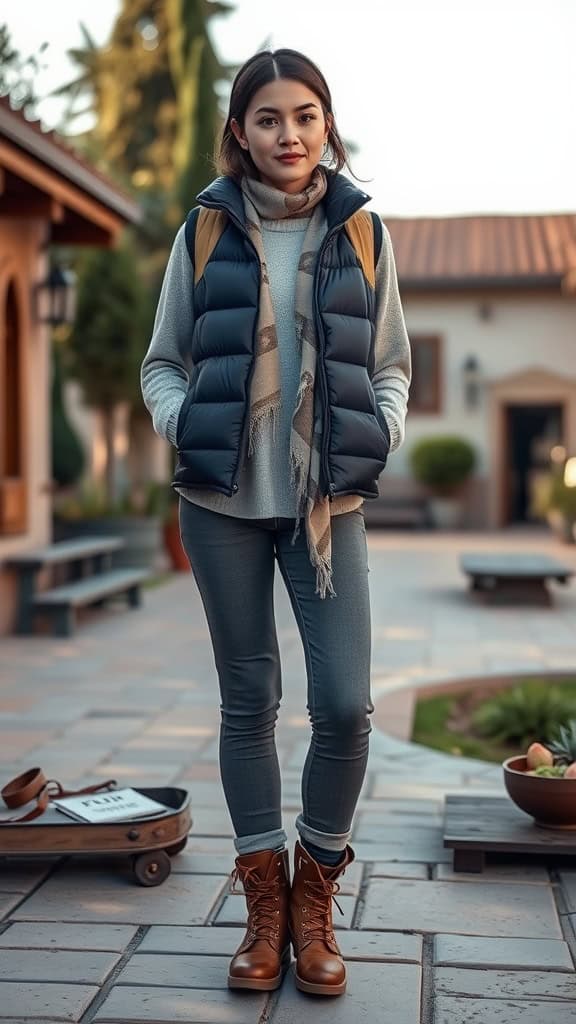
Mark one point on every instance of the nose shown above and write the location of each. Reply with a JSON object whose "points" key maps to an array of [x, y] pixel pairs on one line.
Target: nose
{"points": [[288, 135]]}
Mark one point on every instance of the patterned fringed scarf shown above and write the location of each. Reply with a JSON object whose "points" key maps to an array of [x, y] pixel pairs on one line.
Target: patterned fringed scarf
{"points": [[263, 201]]}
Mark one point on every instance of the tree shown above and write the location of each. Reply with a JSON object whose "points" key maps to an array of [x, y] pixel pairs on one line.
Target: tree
{"points": [[68, 457], [104, 348], [17, 74]]}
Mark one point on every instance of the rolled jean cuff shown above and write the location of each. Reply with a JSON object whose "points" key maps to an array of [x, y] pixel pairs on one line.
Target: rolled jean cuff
{"points": [[260, 841], [327, 840]]}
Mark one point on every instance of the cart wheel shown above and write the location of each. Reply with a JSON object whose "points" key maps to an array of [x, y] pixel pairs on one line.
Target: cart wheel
{"points": [[152, 868], [176, 847]]}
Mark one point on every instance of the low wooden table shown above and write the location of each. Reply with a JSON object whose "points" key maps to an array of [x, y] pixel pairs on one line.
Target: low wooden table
{"points": [[477, 825], [519, 578]]}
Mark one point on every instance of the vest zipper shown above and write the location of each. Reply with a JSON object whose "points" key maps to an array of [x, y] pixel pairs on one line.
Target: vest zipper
{"points": [[241, 448], [330, 485]]}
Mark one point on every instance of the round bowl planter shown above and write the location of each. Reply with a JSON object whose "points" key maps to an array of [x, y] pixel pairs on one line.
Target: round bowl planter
{"points": [[551, 802]]}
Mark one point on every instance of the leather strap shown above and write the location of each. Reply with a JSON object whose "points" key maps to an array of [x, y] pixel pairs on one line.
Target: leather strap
{"points": [[33, 785]]}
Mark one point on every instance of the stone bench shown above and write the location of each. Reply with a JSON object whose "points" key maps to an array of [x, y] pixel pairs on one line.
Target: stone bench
{"points": [[87, 563], [519, 578]]}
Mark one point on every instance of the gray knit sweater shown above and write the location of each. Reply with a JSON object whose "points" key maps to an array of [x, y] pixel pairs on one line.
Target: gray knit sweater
{"points": [[264, 486]]}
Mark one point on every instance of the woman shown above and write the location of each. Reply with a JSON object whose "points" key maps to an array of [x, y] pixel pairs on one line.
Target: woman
{"points": [[279, 367]]}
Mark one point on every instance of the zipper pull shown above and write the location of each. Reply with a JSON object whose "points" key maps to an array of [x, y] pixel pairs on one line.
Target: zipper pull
{"points": [[332, 490]]}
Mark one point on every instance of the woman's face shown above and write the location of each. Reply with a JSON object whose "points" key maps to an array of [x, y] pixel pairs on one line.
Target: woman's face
{"points": [[285, 132]]}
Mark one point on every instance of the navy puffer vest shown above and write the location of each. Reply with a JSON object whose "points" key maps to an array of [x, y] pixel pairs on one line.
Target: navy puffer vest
{"points": [[212, 425]]}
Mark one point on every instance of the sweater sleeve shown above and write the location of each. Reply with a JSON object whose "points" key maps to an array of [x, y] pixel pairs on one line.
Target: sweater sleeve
{"points": [[167, 365], [392, 356]]}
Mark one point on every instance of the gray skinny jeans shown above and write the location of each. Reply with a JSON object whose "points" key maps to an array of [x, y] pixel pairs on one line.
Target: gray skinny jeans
{"points": [[233, 562]]}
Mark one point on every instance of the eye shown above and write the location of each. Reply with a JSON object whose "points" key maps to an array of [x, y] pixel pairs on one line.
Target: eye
{"points": [[307, 118], [266, 121]]}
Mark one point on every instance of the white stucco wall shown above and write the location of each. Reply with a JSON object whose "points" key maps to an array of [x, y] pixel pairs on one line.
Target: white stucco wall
{"points": [[529, 331]]}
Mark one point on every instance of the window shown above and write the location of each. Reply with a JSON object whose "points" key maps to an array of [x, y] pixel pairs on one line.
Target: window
{"points": [[425, 386], [12, 488]]}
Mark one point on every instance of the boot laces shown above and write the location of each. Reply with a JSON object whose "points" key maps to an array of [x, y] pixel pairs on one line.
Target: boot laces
{"points": [[318, 908], [262, 897]]}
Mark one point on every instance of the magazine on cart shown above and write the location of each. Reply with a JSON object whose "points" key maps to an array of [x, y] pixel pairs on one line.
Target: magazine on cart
{"points": [[115, 805]]}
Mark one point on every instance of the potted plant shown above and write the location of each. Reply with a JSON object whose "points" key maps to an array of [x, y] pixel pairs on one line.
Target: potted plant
{"points": [[559, 507], [542, 782], [443, 463]]}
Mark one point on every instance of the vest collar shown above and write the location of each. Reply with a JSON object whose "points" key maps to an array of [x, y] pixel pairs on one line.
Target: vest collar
{"points": [[342, 198]]}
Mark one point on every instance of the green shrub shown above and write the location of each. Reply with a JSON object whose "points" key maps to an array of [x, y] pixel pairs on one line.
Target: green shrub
{"points": [[68, 457], [562, 498], [524, 714], [443, 462]]}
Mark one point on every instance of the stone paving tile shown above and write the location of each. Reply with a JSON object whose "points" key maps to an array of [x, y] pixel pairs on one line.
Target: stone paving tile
{"points": [[8, 900], [18, 876], [490, 984], [399, 842], [188, 862], [81, 895], [176, 971], [394, 851], [374, 992], [233, 911], [41, 1000], [363, 945], [374, 830], [102, 937], [175, 1005], [85, 968], [390, 869], [479, 951], [208, 821], [490, 909], [512, 872], [568, 883], [194, 940], [455, 1010]]}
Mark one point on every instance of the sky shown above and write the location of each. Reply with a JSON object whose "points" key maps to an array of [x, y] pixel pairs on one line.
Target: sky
{"points": [[456, 106]]}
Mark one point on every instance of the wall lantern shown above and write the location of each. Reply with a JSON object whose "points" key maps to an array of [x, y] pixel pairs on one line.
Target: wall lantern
{"points": [[472, 380], [56, 297]]}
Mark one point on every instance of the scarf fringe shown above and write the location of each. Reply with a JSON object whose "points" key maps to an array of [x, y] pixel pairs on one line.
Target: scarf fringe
{"points": [[256, 424]]}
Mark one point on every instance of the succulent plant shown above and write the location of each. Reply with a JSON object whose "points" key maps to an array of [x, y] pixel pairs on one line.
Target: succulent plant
{"points": [[564, 745]]}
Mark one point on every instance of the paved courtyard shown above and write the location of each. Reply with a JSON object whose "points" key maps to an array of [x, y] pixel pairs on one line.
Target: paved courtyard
{"points": [[134, 696]]}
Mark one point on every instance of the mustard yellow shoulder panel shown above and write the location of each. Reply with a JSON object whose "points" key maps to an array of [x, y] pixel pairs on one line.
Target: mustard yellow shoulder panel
{"points": [[209, 227], [360, 230]]}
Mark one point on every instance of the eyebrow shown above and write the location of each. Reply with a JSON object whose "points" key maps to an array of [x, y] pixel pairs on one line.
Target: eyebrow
{"points": [[273, 110]]}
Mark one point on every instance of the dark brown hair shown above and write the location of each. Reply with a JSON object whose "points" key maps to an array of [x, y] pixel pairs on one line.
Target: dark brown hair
{"points": [[262, 68]]}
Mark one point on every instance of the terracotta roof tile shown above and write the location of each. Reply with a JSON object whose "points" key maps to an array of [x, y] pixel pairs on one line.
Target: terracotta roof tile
{"points": [[503, 250]]}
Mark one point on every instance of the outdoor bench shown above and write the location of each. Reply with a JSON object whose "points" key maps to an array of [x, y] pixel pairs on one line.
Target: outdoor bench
{"points": [[89, 579], [519, 578]]}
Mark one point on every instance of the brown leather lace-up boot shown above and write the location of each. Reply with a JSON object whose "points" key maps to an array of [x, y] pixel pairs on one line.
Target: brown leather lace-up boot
{"points": [[263, 956], [320, 968]]}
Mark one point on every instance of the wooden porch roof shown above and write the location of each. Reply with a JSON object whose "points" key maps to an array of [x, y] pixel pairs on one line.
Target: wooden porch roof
{"points": [[41, 177]]}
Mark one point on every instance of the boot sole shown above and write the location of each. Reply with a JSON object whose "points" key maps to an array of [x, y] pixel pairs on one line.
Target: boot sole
{"points": [[260, 984], [320, 990]]}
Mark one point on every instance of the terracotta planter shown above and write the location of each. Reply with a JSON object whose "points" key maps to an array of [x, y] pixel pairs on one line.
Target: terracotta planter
{"points": [[551, 802], [173, 544]]}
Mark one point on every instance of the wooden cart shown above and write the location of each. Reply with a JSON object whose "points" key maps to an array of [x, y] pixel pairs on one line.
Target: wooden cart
{"points": [[150, 842]]}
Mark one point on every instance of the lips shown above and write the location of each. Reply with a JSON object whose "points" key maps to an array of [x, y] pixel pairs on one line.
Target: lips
{"points": [[290, 159]]}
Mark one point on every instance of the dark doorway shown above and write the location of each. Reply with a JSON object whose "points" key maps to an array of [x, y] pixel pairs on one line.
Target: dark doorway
{"points": [[531, 431]]}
